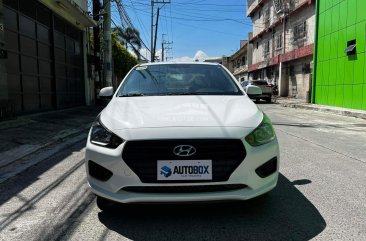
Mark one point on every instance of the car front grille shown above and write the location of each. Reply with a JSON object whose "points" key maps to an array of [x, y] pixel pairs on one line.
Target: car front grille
{"points": [[142, 156], [184, 189]]}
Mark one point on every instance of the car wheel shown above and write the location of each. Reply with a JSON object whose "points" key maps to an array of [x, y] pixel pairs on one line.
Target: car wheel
{"points": [[257, 100], [268, 100], [104, 204]]}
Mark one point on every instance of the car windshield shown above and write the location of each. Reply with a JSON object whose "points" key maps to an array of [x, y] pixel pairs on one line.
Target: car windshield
{"points": [[178, 79]]}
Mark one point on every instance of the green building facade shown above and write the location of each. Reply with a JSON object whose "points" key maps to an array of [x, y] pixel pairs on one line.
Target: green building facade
{"points": [[339, 77]]}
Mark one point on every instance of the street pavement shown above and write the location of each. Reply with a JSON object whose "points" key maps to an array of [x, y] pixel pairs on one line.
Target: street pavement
{"points": [[30, 139], [320, 195]]}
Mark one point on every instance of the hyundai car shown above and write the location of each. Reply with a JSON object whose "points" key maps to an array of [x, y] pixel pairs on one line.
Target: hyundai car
{"points": [[180, 132]]}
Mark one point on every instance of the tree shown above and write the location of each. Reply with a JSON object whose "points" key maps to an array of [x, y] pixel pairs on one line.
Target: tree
{"points": [[132, 36], [123, 61]]}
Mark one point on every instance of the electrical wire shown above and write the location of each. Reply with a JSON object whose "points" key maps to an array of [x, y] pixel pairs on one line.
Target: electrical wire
{"points": [[140, 22]]}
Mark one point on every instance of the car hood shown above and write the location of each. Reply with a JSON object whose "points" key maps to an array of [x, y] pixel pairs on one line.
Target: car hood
{"points": [[180, 111]]}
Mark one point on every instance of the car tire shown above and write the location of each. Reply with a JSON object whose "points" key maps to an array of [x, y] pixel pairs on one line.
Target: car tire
{"points": [[104, 204], [257, 100], [269, 99]]}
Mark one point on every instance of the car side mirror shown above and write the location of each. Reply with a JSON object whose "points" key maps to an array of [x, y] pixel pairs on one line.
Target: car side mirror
{"points": [[106, 93], [253, 91]]}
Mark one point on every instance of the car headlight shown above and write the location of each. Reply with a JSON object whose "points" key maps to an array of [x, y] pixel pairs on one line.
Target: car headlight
{"points": [[263, 134], [101, 136]]}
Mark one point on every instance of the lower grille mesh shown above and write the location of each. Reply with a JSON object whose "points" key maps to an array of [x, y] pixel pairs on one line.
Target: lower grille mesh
{"points": [[184, 189]]}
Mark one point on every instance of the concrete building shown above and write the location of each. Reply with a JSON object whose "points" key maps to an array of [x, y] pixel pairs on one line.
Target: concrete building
{"points": [[241, 59], [339, 63], [225, 61], [283, 42], [44, 61]]}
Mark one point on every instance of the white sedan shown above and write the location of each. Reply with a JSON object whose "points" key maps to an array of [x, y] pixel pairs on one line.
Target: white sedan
{"points": [[180, 132]]}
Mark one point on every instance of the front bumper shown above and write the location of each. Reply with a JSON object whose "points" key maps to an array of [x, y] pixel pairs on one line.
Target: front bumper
{"points": [[123, 177], [266, 95]]}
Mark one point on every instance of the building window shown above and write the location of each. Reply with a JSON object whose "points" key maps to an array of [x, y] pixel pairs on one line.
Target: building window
{"points": [[257, 45], [269, 73], [291, 70], [243, 60], [306, 68], [266, 48], [300, 31], [278, 41], [266, 16], [351, 47], [238, 63], [277, 4]]}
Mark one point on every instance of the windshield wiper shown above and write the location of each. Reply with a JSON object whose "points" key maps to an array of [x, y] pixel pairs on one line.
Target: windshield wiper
{"points": [[181, 93], [131, 95]]}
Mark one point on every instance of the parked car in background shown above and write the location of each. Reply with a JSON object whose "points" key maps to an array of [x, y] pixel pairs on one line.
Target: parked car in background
{"points": [[266, 90]]}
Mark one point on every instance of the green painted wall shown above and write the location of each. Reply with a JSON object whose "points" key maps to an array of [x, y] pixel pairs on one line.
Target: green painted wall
{"points": [[340, 80]]}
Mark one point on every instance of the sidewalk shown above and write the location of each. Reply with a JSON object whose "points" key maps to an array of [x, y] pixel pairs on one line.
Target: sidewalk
{"points": [[300, 104], [33, 133]]}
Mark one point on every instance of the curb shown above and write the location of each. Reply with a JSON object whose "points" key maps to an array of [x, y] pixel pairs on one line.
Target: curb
{"points": [[326, 109]]}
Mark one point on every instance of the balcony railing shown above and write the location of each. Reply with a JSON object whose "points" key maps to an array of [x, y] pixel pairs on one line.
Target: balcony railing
{"points": [[256, 4]]}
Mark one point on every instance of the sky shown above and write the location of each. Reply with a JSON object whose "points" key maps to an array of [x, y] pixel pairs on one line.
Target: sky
{"points": [[196, 28]]}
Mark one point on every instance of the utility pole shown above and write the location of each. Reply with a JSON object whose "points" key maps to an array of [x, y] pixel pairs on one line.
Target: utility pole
{"points": [[96, 40], [156, 31], [152, 32], [152, 44], [107, 42], [163, 48], [166, 58], [281, 83]]}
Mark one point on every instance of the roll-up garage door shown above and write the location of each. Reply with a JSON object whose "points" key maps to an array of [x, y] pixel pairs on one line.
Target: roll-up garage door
{"points": [[44, 66]]}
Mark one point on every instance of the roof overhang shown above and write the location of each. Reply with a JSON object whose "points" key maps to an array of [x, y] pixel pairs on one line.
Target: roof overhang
{"points": [[71, 11]]}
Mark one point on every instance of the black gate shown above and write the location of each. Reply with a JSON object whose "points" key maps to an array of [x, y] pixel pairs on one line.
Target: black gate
{"points": [[45, 59]]}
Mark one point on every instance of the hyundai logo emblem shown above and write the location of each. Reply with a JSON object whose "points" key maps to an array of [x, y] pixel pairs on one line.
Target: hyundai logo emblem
{"points": [[184, 150]]}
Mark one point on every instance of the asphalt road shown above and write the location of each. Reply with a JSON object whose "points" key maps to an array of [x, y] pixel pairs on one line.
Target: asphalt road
{"points": [[320, 195]]}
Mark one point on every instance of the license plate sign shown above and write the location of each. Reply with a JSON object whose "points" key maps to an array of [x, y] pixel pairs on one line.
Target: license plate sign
{"points": [[169, 170]]}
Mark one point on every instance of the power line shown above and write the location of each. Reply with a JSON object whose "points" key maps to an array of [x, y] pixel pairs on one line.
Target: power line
{"points": [[207, 29], [171, 24], [207, 19], [197, 9], [191, 26], [124, 17], [138, 19], [153, 40], [200, 4]]}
